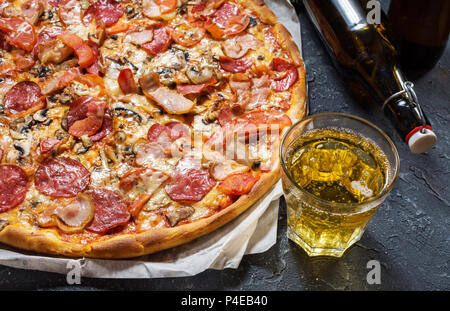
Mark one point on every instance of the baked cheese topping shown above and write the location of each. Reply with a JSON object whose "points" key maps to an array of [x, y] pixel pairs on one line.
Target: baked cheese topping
{"points": [[126, 116]]}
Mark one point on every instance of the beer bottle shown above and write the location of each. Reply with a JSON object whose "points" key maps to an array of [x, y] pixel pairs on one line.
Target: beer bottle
{"points": [[421, 29], [368, 61]]}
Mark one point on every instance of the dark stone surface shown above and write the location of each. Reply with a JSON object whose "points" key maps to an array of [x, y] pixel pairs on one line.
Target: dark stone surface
{"points": [[409, 236]]}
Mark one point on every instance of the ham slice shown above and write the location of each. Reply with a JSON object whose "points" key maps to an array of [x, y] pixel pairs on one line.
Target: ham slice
{"points": [[253, 93], [237, 47], [171, 101], [140, 37], [76, 215], [32, 9], [150, 8]]}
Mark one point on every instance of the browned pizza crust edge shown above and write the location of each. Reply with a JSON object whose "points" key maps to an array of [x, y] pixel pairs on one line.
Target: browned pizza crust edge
{"points": [[128, 245]]}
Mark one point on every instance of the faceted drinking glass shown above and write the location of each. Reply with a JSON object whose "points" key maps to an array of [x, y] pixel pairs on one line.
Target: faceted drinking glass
{"points": [[324, 227]]}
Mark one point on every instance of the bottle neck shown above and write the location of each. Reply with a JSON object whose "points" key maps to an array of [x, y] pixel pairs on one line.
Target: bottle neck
{"points": [[405, 117]]}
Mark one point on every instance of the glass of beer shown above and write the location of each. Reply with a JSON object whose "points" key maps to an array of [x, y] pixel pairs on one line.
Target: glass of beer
{"points": [[337, 169]]}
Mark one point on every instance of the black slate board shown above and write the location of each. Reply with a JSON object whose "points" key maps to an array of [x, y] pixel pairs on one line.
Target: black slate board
{"points": [[409, 236]]}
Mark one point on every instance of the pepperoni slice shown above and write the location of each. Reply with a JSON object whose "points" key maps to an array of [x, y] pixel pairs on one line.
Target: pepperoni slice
{"points": [[13, 186], [61, 178], [235, 65], [107, 12], [22, 97], [237, 184], [161, 41], [20, 33], [284, 83], [110, 211], [85, 116], [190, 181]]}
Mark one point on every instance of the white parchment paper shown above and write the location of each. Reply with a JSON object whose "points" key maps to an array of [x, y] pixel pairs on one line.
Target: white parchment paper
{"points": [[252, 232]]}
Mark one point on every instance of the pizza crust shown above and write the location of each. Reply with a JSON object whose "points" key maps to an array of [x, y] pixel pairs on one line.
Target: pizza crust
{"points": [[128, 245]]}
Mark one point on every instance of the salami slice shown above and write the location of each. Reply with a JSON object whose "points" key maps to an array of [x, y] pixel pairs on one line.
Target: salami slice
{"points": [[21, 97], [104, 11], [13, 186], [61, 178], [110, 211], [284, 83], [190, 181]]}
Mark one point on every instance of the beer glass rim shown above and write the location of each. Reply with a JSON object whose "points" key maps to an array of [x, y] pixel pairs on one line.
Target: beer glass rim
{"points": [[395, 167]]}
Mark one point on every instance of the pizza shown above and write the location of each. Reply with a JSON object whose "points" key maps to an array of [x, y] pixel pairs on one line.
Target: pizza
{"points": [[130, 127]]}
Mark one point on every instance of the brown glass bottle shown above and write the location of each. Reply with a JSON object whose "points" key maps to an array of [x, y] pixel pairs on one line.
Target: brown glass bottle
{"points": [[421, 29], [368, 61]]}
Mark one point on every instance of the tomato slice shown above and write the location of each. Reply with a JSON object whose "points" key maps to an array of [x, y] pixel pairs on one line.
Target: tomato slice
{"points": [[85, 54], [126, 81], [238, 183], [186, 39]]}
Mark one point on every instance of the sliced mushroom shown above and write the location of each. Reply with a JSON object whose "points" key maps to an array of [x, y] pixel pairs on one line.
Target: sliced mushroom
{"points": [[41, 115], [3, 224], [120, 137], [127, 112], [177, 213], [23, 147], [86, 141], [76, 215], [199, 75]]}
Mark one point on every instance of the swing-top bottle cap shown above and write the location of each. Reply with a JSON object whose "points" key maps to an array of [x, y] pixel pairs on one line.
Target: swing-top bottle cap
{"points": [[421, 139]]}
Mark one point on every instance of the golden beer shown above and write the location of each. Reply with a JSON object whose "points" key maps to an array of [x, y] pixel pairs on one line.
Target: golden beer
{"points": [[334, 181]]}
